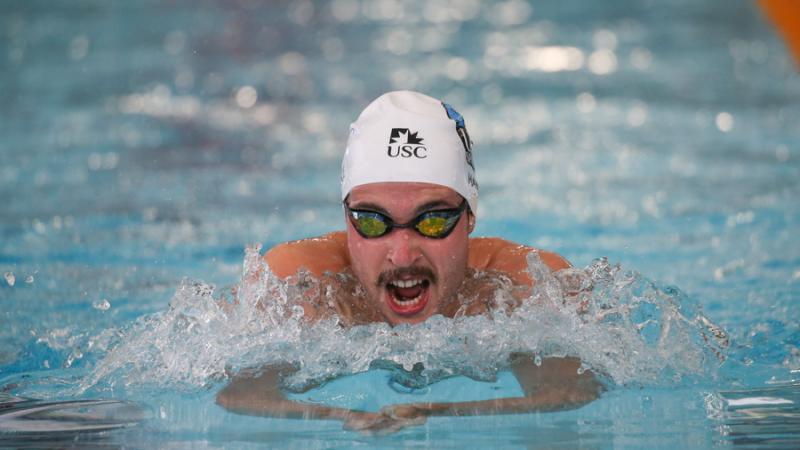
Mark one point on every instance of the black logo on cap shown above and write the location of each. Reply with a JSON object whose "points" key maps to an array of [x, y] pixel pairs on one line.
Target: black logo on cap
{"points": [[400, 133], [405, 144]]}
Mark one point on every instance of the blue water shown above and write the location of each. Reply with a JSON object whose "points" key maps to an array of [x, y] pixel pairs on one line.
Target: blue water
{"points": [[147, 143]]}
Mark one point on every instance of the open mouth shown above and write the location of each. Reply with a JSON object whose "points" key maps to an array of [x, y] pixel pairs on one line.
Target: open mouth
{"points": [[408, 297]]}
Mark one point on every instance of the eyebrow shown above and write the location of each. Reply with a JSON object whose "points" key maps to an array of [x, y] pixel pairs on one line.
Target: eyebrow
{"points": [[425, 207], [434, 205], [370, 207]]}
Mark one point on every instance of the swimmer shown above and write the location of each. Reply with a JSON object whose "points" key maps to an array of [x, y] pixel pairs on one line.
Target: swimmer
{"points": [[409, 196]]}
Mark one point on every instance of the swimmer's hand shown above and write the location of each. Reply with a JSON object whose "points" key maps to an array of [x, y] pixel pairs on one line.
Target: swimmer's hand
{"points": [[390, 419], [555, 385]]}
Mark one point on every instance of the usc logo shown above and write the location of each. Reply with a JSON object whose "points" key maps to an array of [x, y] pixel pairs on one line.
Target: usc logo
{"points": [[407, 151], [406, 144]]}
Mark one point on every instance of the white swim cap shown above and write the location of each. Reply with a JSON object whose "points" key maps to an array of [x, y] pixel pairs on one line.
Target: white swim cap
{"points": [[410, 137]]}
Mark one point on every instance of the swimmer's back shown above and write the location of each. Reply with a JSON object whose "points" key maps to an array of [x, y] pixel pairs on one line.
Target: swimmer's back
{"points": [[328, 253]]}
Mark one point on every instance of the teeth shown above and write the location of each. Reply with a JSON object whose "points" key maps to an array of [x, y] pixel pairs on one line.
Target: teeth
{"points": [[406, 283], [411, 302]]}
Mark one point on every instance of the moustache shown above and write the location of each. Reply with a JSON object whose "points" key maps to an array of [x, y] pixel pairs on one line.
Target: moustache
{"points": [[405, 272]]}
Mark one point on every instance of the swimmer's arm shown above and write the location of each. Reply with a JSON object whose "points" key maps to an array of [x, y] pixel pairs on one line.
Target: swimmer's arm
{"points": [[260, 395], [553, 386]]}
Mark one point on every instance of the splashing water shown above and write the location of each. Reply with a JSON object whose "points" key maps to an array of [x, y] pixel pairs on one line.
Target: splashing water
{"points": [[10, 278], [617, 322], [102, 304]]}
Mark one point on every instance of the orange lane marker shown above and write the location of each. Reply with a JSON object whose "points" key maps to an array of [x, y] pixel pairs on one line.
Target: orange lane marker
{"points": [[785, 16]]}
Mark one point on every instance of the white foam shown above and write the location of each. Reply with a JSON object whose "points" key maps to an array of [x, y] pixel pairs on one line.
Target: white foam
{"points": [[759, 401], [617, 322]]}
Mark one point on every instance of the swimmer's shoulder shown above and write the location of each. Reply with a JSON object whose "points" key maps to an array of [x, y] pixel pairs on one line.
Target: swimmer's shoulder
{"points": [[326, 253], [491, 253]]}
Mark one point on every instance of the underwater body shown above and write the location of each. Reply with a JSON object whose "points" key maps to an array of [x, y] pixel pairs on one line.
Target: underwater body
{"points": [[148, 148]]}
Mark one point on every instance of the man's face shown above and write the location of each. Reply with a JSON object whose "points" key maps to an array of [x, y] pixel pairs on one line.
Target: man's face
{"points": [[407, 276]]}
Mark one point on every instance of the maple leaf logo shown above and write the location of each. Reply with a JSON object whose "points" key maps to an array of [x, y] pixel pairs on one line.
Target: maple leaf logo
{"points": [[414, 139], [405, 136]]}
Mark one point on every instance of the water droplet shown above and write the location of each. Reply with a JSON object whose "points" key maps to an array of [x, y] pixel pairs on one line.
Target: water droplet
{"points": [[10, 278], [246, 97], [39, 227], [724, 121], [102, 304], [73, 357], [606, 39], [602, 62]]}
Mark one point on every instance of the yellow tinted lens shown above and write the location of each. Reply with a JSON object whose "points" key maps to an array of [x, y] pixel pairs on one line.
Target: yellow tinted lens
{"points": [[432, 226], [370, 226]]}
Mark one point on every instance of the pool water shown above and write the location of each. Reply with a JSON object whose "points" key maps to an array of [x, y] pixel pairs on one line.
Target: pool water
{"points": [[145, 146]]}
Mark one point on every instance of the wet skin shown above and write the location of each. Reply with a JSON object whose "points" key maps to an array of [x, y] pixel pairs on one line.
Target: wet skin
{"points": [[403, 252], [438, 266], [406, 278]]}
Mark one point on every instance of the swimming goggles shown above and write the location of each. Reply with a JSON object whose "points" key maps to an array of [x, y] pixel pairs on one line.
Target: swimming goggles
{"points": [[436, 224]]}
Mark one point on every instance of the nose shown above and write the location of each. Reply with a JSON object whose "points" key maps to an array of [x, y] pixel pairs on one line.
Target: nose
{"points": [[404, 248]]}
